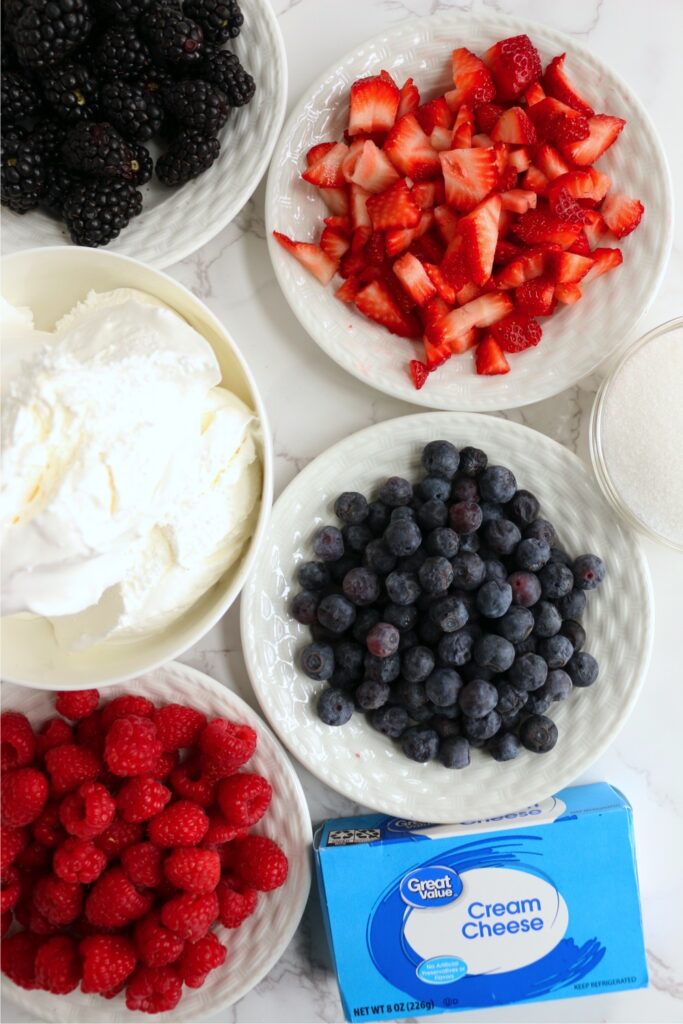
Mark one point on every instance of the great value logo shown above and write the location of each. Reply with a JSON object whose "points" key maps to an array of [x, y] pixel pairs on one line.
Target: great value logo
{"points": [[433, 886]]}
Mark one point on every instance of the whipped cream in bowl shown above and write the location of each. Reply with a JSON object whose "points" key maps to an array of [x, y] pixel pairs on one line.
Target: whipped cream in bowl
{"points": [[136, 470]]}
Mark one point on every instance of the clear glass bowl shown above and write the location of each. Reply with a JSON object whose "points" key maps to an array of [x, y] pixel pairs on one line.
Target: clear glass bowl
{"points": [[596, 438]]}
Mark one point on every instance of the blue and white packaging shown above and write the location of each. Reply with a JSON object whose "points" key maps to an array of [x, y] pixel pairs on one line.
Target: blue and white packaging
{"points": [[538, 904]]}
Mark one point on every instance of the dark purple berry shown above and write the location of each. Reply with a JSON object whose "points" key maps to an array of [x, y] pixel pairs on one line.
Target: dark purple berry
{"points": [[504, 746], [328, 544], [351, 507], [336, 613], [335, 707], [383, 640], [304, 607], [556, 580], [440, 458], [526, 588], [442, 687], [528, 672], [317, 661], [454, 752], [361, 586], [538, 734], [589, 572], [582, 669], [396, 492], [420, 744]]}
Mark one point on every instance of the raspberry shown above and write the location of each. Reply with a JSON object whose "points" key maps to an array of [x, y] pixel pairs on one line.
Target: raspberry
{"points": [[47, 828], [88, 811], [24, 794], [156, 945], [142, 863], [199, 959], [181, 824], [12, 842], [119, 835], [78, 860], [153, 990], [39, 924], [259, 862], [58, 965], [193, 870], [59, 901], [5, 922], [220, 831], [90, 733], [131, 746], [224, 850], [235, 902], [10, 888], [108, 960], [17, 742], [244, 799], [53, 733], [77, 704], [124, 707], [225, 747], [190, 783], [142, 798], [114, 901], [178, 726], [18, 958], [69, 766], [165, 765], [190, 916]]}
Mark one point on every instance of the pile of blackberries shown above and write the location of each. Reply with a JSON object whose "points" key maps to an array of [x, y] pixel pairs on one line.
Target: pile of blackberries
{"points": [[447, 611]]}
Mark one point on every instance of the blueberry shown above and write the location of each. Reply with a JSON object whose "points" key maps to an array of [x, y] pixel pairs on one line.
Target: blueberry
{"points": [[516, 624], [497, 483], [402, 512], [336, 613], [317, 661], [335, 707], [371, 695], [304, 606], [443, 686], [538, 734], [383, 640], [445, 726], [483, 728], [502, 536], [526, 588], [473, 461], [442, 541], [547, 619], [572, 606], [440, 458], [491, 510], [465, 516], [432, 514], [328, 544], [558, 685], [561, 556], [402, 587], [381, 670], [378, 557], [556, 650], [409, 695], [365, 620], [589, 572], [420, 744], [378, 517], [541, 529], [468, 570], [523, 508], [313, 575], [449, 613], [391, 721], [469, 542], [538, 701], [348, 656], [434, 488], [423, 714], [504, 746], [402, 616], [528, 672], [351, 507], [396, 491], [477, 698], [455, 649], [454, 752], [464, 488], [338, 570], [428, 631], [402, 537], [409, 639], [361, 586], [556, 580], [470, 670], [451, 712], [435, 574], [357, 537], [417, 664], [574, 632], [494, 570], [528, 646], [494, 599], [582, 669], [494, 652], [411, 563], [532, 554], [510, 699], [509, 722]]}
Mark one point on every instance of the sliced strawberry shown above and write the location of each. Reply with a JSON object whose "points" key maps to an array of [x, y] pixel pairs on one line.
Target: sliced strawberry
{"points": [[336, 200], [436, 348], [506, 251], [327, 171], [568, 267], [472, 80], [370, 168], [410, 150], [338, 223], [309, 256], [507, 181], [468, 292], [603, 131], [505, 223], [334, 243], [482, 141], [481, 312], [428, 246], [585, 186], [316, 153], [349, 289], [516, 332], [580, 247], [375, 250], [435, 355], [445, 291], [535, 180], [526, 266], [352, 153], [434, 114], [424, 194], [463, 129], [622, 215], [605, 260], [537, 226], [595, 228], [537, 298], [360, 218], [352, 264], [373, 103], [469, 176], [502, 149], [377, 303], [446, 222], [519, 159], [515, 65], [514, 127], [550, 161], [480, 235], [564, 207], [558, 123], [399, 239], [490, 359], [418, 372], [568, 294], [414, 278], [441, 139], [556, 84], [455, 265], [534, 94], [409, 98], [518, 200]]}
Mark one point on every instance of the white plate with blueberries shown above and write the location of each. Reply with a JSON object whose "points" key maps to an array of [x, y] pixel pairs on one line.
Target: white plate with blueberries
{"points": [[445, 619]]}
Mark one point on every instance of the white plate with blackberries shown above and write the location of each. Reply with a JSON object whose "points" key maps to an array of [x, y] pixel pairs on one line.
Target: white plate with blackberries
{"points": [[144, 125], [445, 619]]}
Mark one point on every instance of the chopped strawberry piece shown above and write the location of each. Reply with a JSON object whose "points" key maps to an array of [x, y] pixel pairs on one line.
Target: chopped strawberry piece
{"points": [[506, 251], [398, 239], [537, 226], [369, 168], [568, 267], [336, 200], [558, 85], [352, 264], [568, 294], [463, 129], [418, 372], [535, 180], [524, 267], [515, 65], [580, 247], [436, 348], [378, 304], [414, 278], [468, 292], [375, 250], [373, 104], [455, 266], [482, 141], [316, 153], [348, 290], [518, 200], [410, 150], [409, 98], [434, 114], [534, 94], [595, 228], [564, 207], [480, 236], [309, 256], [427, 246], [446, 222], [519, 159], [342, 224], [486, 116], [490, 359], [360, 238], [469, 175], [514, 127], [558, 123], [516, 332], [334, 243], [507, 181], [604, 260], [360, 218], [550, 161], [327, 171], [584, 186], [480, 312], [472, 80], [444, 290], [537, 298], [603, 132], [621, 214], [424, 194], [441, 139]]}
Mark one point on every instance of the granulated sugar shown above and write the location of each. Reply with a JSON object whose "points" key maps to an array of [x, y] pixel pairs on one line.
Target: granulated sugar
{"points": [[642, 434]]}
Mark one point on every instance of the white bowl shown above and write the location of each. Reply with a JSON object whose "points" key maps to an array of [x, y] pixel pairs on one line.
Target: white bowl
{"points": [[51, 281], [176, 222], [260, 942], [578, 337], [356, 760]]}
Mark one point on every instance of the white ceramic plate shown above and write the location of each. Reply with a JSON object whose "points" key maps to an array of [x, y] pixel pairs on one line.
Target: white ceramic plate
{"points": [[176, 222], [260, 942], [364, 765], [577, 338]]}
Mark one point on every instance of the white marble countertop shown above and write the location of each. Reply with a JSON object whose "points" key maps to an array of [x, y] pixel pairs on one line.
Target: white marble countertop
{"points": [[233, 276]]}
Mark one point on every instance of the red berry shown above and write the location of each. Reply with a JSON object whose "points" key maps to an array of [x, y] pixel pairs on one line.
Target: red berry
{"points": [[156, 944], [17, 742], [114, 901], [225, 747], [58, 965], [68, 766], [178, 726], [59, 901], [88, 811], [90, 733], [76, 704], [119, 835], [153, 990], [18, 958], [124, 707], [190, 916], [53, 733], [143, 864], [193, 870], [10, 887], [142, 798], [235, 902], [108, 960], [199, 959], [165, 764], [181, 824], [24, 794], [12, 842], [220, 831], [78, 860], [47, 828], [244, 798], [190, 783], [131, 746], [259, 862]]}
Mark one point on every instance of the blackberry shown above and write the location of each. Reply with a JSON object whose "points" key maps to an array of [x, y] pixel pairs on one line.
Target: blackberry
{"points": [[23, 172], [188, 156], [97, 149], [72, 92], [142, 173], [220, 19], [20, 97], [134, 111], [172, 36], [47, 31], [121, 53], [59, 184], [124, 11], [49, 135], [223, 69], [97, 211]]}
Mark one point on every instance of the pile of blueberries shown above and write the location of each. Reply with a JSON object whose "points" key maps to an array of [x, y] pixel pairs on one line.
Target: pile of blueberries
{"points": [[447, 611]]}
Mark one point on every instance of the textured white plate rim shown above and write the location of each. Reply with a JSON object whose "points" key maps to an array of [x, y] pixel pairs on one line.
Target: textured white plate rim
{"points": [[206, 224], [51, 1008], [449, 424], [496, 399]]}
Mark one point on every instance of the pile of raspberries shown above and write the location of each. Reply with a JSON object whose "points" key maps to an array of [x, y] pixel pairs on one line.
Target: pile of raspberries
{"points": [[125, 838]]}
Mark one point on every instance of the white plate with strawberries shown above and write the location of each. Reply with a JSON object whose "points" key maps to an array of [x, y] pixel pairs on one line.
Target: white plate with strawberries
{"points": [[446, 200]]}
